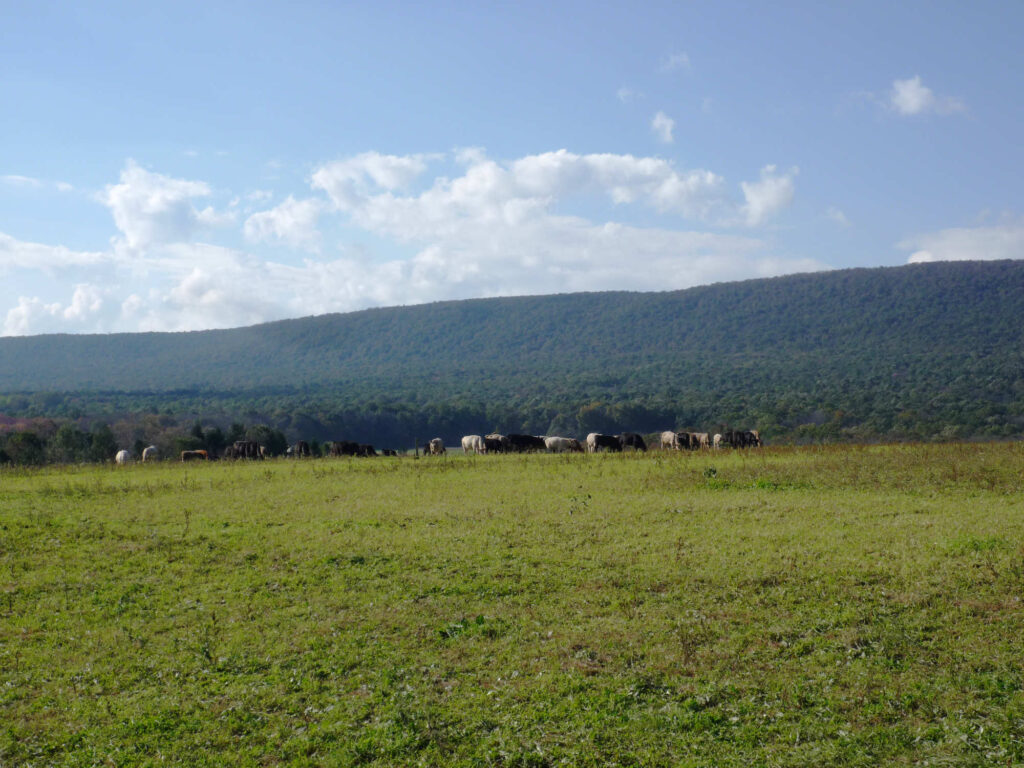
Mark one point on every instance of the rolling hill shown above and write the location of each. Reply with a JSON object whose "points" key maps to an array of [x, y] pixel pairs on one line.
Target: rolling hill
{"points": [[929, 350]]}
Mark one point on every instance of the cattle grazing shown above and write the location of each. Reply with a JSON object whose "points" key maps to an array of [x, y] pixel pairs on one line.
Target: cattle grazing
{"points": [[473, 444], [526, 443], [122, 457], [669, 441], [716, 441], [598, 442], [343, 448], [562, 445], [436, 446], [495, 443], [195, 455], [366, 450], [755, 438], [243, 449], [687, 441], [149, 453], [701, 440], [300, 450], [631, 440]]}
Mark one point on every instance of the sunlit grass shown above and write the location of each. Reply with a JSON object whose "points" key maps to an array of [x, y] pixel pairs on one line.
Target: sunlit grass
{"points": [[834, 606]]}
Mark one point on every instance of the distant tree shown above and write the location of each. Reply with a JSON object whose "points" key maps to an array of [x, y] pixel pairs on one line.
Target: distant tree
{"points": [[236, 432], [102, 444], [25, 449], [273, 440], [69, 445]]}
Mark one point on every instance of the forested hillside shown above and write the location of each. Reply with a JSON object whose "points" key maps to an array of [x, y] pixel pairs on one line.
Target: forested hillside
{"points": [[923, 351]]}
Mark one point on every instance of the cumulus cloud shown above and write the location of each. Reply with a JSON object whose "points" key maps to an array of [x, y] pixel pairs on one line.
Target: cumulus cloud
{"points": [[34, 315], [1001, 241], [912, 97], [491, 228], [662, 125], [293, 223], [768, 196], [150, 208]]}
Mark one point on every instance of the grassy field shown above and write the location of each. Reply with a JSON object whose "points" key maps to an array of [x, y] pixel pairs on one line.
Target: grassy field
{"points": [[779, 607]]}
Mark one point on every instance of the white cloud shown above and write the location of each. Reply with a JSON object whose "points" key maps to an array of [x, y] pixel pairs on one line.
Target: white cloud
{"points": [[33, 315], [912, 97], [627, 95], [662, 126], [16, 254], [1001, 241], [837, 216], [150, 208], [768, 196], [293, 223], [674, 62], [15, 180], [492, 228]]}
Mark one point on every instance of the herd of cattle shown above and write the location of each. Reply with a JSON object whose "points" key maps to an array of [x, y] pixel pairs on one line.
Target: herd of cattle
{"points": [[493, 443]]}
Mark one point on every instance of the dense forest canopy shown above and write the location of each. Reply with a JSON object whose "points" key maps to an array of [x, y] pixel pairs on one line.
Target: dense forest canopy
{"points": [[927, 351]]}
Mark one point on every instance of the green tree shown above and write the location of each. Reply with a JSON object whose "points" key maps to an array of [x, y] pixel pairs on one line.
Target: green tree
{"points": [[25, 449], [273, 440], [69, 445], [102, 444]]}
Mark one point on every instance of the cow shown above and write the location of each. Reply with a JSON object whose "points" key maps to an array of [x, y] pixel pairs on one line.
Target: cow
{"points": [[631, 440], [701, 440], [366, 450], [562, 445], [149, 453], [122, 457], [389, 452], [716, 442], [243, 449], [755, 438], [597, 442], [495, 443], [526, 443], [670, 441], [199, 455], [473, 444], [436, 447], [344, 448], [300, 450]]}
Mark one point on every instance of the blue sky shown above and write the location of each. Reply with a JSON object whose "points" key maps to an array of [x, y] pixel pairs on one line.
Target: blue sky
{"points": [[181, 166]]}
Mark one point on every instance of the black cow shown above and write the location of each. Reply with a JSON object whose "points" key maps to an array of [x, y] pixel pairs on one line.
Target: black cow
{"points": [[389, 452], [344, 448], [596, 442], [365, 449], [525, 443], [243, 449], [301, 450], [631, 440]]}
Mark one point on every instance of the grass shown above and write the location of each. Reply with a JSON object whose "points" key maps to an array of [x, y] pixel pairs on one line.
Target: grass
{"points": [[781, 607]]}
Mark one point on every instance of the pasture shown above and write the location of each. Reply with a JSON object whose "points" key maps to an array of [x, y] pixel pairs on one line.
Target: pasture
{"points": [[839, 606]]}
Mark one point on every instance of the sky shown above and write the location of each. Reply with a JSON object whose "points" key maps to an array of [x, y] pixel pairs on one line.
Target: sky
{"points": [[183, 166]]}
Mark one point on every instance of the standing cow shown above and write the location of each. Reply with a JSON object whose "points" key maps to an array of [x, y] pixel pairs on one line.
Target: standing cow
{"points": [[149, 453], [631, 440], [436, 447], [670, 441], [495, 443], [473, 444], [562, 445], [122, 457]]}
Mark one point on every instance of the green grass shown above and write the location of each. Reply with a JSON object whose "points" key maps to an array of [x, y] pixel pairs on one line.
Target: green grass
{"points": [[782, 607]]}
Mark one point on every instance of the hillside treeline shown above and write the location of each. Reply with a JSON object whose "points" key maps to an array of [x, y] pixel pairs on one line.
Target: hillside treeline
{"points": [[931, 351]]}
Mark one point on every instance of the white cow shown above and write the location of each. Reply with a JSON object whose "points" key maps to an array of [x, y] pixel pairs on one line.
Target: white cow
{"points": [[473, 444], [122, 456], [716, 441], [436, 446], [702, 440], [669, 441], [149, 453], [562, 444]]}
